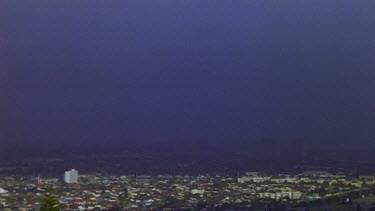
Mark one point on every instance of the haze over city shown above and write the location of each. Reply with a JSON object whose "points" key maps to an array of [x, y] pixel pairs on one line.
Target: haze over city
{"points": [[187, 105]]}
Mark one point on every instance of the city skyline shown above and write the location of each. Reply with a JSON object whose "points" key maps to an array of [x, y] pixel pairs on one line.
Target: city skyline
{"points": [[187, 105]]}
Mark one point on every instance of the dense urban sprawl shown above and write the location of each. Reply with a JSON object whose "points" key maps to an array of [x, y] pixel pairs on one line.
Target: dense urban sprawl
{"points": [[99, 192]]}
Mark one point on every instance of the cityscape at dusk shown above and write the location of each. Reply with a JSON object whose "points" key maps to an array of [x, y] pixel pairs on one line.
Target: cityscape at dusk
{"points": [[187, 105]]}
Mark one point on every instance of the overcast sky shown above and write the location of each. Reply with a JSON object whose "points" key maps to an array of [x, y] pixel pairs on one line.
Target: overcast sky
{"points": [[177, 71]]}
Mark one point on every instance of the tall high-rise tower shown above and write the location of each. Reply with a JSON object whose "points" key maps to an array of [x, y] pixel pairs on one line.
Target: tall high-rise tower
{"points": [[71, 176]]}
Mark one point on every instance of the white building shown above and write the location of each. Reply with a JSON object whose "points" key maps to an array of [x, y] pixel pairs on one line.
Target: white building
{"points": [[71, 176], [3, 192], [257, 179], [197, 191], [281, 195]]}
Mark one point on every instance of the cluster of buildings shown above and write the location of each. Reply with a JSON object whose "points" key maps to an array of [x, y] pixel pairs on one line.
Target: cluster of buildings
{"points": [[99, 192]]}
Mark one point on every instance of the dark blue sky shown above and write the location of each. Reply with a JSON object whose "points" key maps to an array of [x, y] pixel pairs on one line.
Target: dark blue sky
{"points": [[180, 71]]}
